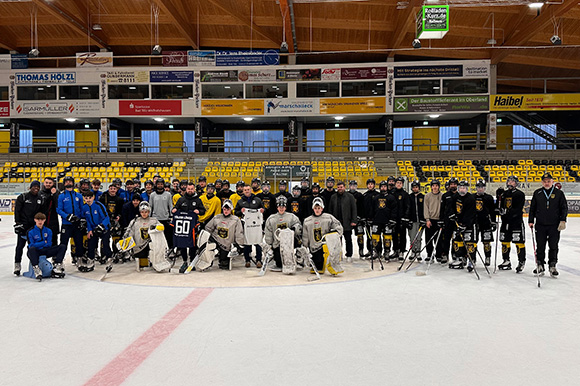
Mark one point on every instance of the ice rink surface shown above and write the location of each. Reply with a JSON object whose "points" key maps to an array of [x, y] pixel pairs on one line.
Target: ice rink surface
{"points": [[446, 328]]}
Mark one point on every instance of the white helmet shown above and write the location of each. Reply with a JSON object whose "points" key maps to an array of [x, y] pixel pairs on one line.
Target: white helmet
{"points": [[144, 205], [318, 201]]}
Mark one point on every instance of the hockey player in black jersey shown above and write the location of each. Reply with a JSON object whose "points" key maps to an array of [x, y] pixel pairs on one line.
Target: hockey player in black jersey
{"points": [[447, 210], [465, 237], [368, 211], [359, 229], [403, 219], [511, 210], [383, 220], [283, 190], [486, 218], [268, 200], [329, 191], [296, 204]]}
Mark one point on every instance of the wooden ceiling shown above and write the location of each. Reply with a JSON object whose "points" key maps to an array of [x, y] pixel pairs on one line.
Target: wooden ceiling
{"points": [[325, 30]]}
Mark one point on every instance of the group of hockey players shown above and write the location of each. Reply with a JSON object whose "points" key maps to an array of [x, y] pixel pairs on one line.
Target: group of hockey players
{"points": [[302, 228]]}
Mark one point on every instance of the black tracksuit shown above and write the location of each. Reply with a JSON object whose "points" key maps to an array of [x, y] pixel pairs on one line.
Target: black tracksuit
{"points": [[403, 211], [26, 207], [447, 209], [465, 242], [50, 203], [547, 209], [268, 203], [384, 211]]}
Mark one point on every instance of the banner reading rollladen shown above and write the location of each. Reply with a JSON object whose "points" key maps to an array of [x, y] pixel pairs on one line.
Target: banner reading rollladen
{"points": [[534, 102], [232, 107], [376, 105]]}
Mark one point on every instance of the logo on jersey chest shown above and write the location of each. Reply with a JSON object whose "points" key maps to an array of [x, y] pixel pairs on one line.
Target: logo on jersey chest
{"points": [[317, 234], [282, 225], [508, 202], [223, 232], [295, 207], [479, 205], [382, 203], [458, 206], [144, 233], [266, 203]]}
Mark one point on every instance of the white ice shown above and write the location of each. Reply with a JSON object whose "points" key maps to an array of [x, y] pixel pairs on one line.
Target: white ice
{"points": [[446, 328]]}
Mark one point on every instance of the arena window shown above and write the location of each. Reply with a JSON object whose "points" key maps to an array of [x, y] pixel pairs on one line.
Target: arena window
{"points": [[25, 140], [402, 136], [222, 91], [267, 90], [465, 86], [238, 141], [78, 92], [172, 91], [359, 139], [128, 92], [3, 93], [35, 93], [65, 138], [363, 88], [315, 140], [418, 87], [317, 90], [449, 137], [528, 140]]}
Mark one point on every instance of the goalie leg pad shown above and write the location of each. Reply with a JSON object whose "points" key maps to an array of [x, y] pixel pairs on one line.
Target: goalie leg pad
{"points": [[286, 237], [206, 256], [334, 248]]}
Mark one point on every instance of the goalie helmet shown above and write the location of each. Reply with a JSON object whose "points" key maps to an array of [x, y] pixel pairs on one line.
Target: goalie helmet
{"points": [[144, 206], [281, 201], [318, 202]]}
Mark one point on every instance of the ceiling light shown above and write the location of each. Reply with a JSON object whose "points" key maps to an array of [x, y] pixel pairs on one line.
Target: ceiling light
{"points": [[248, 119], [87, 126], [339, 118], [70, 119], [492, 42], [499, 120], [379, 84], [85, 88], [132, 88], [337, 125], [41, 89], [416, 43], [536, 5], [171, 126], [156, 50], [34, 53], [556, 40], [227, 87], [158, 119], [1, 125], [179, 86], [434, 116], [323, 90], [97, 27], [425, 123]]}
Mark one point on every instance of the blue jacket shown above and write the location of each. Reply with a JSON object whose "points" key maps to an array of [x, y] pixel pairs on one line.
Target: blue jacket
{"points": [[96, 214], [40, 238], [98, 194], [145, 196], [69, 203]]}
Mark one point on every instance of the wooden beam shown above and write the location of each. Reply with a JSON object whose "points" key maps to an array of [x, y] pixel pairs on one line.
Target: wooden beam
{"points": [[76, 24], [543, 61], [403, 20], [526, 33], [287, 24], [559, 85], [8, 42], [245, 20], [179, 22]]}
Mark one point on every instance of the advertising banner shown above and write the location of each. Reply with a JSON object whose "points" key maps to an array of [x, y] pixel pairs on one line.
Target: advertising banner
{"points": [[295, 75], [433, 22], [283, 171], [5, 62], [232, 107], [364, 73], [491, 131], [201, 58], [94, 59], [478, 70], [4, 109], [123, 77], [442, 104], [531, 102], [374, 105], [331, 74], [197, 90], [45, 77], [174, 58], [46, 109], [150, 107], [429, 71], [171, 76], [7, 203], [257, 76], [247, 58], [290, 106], [14, 62], [219, 76], [105, 127]]}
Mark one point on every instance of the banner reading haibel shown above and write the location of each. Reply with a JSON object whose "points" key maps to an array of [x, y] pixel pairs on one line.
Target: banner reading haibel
{"points": [[232, 107], [376, 105], [531, 102], [94, 59]]}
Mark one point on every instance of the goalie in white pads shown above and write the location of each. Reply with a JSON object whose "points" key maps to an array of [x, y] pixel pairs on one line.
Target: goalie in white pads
{"points": [[316, 236], [283, 242], [225, 229], [147, 234]]}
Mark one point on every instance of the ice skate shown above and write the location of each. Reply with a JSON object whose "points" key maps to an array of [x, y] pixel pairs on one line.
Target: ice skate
{"points": [[183, 267], [487, 261], [37, 272], [58, 270], [349, 259], [275, 268], [392, 256], [17, 269], [401, 256], [520, 267], [418, 256], [554, 272], [539, 269], [443, 260], [469, 267], [457, 264], [386, 256], [506, 265], [412, 256]]}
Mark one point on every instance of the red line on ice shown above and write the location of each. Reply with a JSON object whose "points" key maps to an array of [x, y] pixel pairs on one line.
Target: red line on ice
{"points": [[117, 370]]}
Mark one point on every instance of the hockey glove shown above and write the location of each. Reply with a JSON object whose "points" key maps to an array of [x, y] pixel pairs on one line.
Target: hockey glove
{"points": [[99, 230], [502, 211], [453, 217], [408, 224], [19, 229], [493, 226], [561, 226], [83, 225], [152, 227], [72, 219], [392, 223], [499, 192]]}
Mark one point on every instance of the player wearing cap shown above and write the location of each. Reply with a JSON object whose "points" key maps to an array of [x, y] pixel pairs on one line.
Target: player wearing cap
{"points": [[226, 230], [548, 213]]}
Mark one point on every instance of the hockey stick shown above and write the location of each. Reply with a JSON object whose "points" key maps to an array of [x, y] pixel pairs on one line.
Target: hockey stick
{"points": [[313, 268], [421, 273], [264, 269], [496, 237], [466, 252], [412, 261], [536, 257], [411, 247], [482, 261]]}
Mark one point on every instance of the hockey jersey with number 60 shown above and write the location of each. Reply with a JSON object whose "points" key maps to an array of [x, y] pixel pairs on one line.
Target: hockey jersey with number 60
{"points": [[184, 229]]}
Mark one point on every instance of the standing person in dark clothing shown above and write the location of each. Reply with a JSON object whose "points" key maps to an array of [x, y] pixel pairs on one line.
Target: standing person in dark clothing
{"points": [[283, 190], [368, 211], [391, 181], [417, 219], [383, 221], [305, 191], [49, 194], [268, 200], [70, 205], [130, 210], [403, 221], [512, 203], [486, 218], [359, 229], [296, 204], [248, 201], [549, 211], [225, 192], [343, 207], [432, 212], [447, 211], [465, 238], [329, 191], [26, 207], [189, 203]]}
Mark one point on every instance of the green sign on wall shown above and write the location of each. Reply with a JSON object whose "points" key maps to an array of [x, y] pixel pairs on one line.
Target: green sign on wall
{"points": [[433, 21]]}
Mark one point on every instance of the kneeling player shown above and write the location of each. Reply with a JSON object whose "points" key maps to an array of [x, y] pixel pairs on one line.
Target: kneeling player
{"points": [[465, 237], [225, 229], [281, 220], [315, 228], [40, 244]]}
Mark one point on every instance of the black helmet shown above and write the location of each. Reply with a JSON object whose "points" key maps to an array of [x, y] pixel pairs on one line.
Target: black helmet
{"points": [[401, 179], [255, 179], [453, 180], [218, 181], [463, 183], [202, 178], [226, 182], [415, 183], [315, 185], [160, 180], [240, 183], [117, 181], [296, 187], [371, 180], [383, 183], [391, 178], [68, 178], [167, 185], [513, 178], [266, 183], [480, 183], [352, 182], [305, 178], [283, 182], [331, 178], [435, 182], [149, 182], [84, 181], [210, 186]]}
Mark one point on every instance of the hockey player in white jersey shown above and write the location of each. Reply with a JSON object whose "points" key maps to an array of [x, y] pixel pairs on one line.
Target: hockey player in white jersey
{"points": [[320, 233], [147, 234], [225, 229], [283, 247]]}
